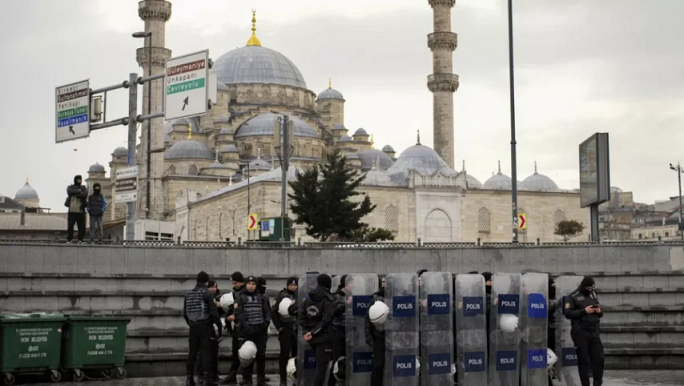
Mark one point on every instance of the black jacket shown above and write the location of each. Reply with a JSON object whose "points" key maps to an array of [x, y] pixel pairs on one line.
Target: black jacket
{"points": [[340, 298], [574, 310], [370, 329], [80, 192], [280, 321], [242, 318], [315, 315], [208, 299]]}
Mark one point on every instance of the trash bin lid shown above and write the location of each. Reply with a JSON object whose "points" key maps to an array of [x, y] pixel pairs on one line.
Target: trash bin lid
{"points": [[30, 318]]}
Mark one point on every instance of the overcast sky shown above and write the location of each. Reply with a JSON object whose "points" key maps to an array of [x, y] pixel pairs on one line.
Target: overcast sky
{"points": [[582, 66]]}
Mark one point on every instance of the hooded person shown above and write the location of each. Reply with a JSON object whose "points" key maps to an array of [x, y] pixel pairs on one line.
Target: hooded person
{"points": [[284, 322], [77, 201], [315, 316], [583, 309], [262, 285], [97, 205], [253, 315]]}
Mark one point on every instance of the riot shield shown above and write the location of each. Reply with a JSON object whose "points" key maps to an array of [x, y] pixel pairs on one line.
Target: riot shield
{"points": [[566, 367], [471, 330], [359, 353], [401, 330], [436, 328], [504, 337], [534, 323], [306, 358]]}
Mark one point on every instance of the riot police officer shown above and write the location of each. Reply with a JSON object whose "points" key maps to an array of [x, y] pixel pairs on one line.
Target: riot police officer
{"points": [[253, 314], [238, 285], [285, 324], [314, 316], [337, 328], [582, 307], [375, 336], [199, 311]]}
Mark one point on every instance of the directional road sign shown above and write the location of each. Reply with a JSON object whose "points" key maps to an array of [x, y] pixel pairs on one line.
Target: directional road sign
{"points": [[186, 86], [126, 185], [522, 221], [72, 115], [253, 222]]}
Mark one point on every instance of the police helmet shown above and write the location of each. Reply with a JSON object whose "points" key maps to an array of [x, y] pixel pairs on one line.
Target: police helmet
{"points": [[340, 370], [291, 369], [247, 353], [227, 301], [284, 307], [508, 323], [551, 358], [378, 313]]}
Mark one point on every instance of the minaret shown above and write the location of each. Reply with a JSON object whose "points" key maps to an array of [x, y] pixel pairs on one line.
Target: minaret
{"points": [[155, 14], [443, 83]]}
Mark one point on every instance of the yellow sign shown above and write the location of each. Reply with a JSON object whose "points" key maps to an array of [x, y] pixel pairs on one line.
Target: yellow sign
{"points": [[522, 221], [253, 222]]}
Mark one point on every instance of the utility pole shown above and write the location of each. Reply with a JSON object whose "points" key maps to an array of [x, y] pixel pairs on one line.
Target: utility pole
{"points": [[514, 163], [249, 205], [680, 226], [284, 166], [132, 131]]}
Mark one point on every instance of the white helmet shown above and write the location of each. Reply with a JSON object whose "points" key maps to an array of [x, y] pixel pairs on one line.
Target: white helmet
{"points": [[227, 301], [284, 307], [340, 370], [551, 358], [291, 369], [508, 322], [247, 353], [378, 313]]}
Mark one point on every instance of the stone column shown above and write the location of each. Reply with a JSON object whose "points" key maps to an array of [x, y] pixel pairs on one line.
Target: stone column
{"points": [[155, 14], [443, 83]]}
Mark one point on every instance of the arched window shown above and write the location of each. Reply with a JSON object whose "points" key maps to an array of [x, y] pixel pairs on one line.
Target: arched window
{"points": [[192, 170], [667, 234], [392, 218], [558, 216], [233, 217], [484, 220], [653, 235], [172, 170], [640, 236]]}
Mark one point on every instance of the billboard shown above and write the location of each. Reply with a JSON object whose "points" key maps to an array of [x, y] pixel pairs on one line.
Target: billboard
{"points": [[594, 170]]}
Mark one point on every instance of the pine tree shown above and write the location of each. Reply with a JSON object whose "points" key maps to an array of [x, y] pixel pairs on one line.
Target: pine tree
{"points": [[323, 200]]}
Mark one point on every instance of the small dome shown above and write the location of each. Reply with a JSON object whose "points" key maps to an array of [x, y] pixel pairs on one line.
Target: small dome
{"points": [[388, 149], [360, 131], [189, 149], [259, 164], [257, 64], [97, 168], [352, 156], [330, 93], [262, 125], [538, 182], [345, 138], [226, 131], [229, 149], [26, 192], [339, 126], [180, 122], [217, 165], [222, 119], [372, 157], [499, 181], [472, 182], [422, 160], [120, 152], [376, 177]]}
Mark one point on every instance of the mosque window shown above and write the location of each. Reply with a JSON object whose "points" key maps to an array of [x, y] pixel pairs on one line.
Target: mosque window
{"points": [[667, 234], [484, 220], [220, 223], [172, 170], [640, 236], [192, 170], [392, 218], [558, 217]]}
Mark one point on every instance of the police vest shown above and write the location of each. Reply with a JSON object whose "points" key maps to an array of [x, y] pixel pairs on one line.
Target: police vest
{"points": [[588, 321], [252, 308], [195, 307]]}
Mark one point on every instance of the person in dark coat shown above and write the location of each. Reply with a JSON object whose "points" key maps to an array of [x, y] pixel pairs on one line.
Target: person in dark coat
{"points": [[201, 315], [286, 327], [375, 337], [97, 205], [583, 309], [314, 316], [253, 314], [551, 337], [77, 201], [238, 286]]}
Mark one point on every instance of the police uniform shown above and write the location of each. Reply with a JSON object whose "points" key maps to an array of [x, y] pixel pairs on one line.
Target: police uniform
{"points": [[314, 316], [253, 314], [375, 337], [231, 379], [585, 332], [201, 315], [337, 328], [286, 327]]}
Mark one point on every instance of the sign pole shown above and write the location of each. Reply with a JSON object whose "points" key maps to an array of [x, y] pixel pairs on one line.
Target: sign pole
{"points": [[514, 166], [132, 131], [284, 166]]}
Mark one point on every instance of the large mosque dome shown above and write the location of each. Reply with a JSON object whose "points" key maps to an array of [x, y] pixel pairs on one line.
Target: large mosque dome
{"points": [[256, 64], [539, 182], [189, 149], [421, 159], [263, 124]]}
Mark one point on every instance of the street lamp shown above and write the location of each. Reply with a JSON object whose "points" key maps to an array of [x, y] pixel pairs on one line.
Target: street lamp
{"points": [[678, 169], [148, 35], [514, 163]]}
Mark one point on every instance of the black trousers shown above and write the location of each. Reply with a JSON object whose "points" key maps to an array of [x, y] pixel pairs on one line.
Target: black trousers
{"points": [[260, 341], [78, 219], [339, 349], [323, 352], [589, 350], [288, 349], [214, 360], [378, 361], [235, 366], [201, 341]]}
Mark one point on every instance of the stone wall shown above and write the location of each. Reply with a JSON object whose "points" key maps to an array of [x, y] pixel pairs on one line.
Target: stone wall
{"points": [[641, 287]]}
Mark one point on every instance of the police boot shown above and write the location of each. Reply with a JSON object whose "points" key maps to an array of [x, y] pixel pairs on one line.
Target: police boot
{"points": [[231, 379], [209, 379], [190, 381], [246, 381], [261, 381]]}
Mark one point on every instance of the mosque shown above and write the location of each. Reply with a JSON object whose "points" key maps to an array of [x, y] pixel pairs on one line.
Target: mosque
{"points": [[208, 173]]}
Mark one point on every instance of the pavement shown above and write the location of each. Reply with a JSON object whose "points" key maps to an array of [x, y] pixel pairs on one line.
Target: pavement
{"points": [[613, 378]]}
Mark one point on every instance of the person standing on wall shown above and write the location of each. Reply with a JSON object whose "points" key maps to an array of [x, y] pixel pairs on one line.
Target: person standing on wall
{"points": [[77, 196], [286, 326], [201, 315], [238, 285], [97, 205], [253, 314], [584, 310], [314, 316]]}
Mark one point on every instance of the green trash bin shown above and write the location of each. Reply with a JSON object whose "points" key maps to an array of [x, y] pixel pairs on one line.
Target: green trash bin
{"points": [[95, 342], [30, 343]]}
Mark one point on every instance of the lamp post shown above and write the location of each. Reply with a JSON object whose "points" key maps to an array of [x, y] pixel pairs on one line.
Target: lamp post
{"points": [[148, 36], [514, 164], [678, 169]]}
